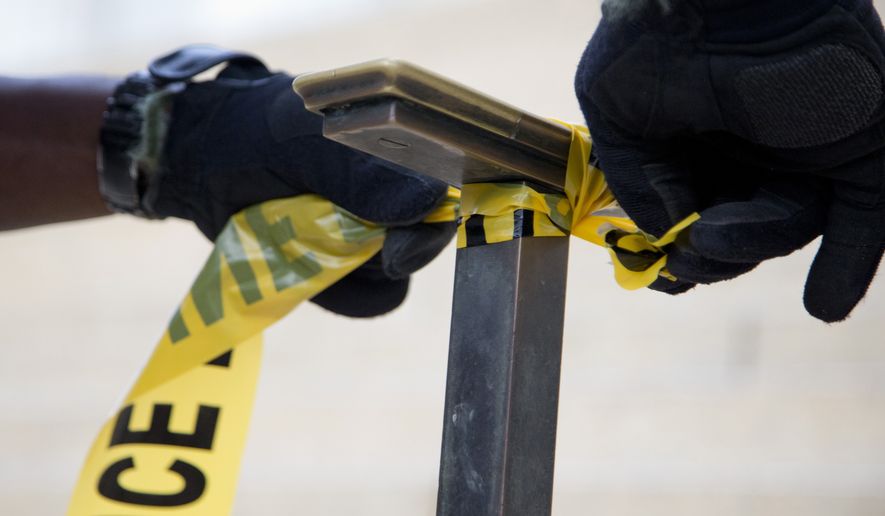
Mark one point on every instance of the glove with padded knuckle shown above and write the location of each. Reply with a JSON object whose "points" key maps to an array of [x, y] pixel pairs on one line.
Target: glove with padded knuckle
{"points": [[765, 116], [245, 137]]}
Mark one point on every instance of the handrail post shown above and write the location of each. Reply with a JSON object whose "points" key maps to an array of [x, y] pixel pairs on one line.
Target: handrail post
{"points": [[502, 387]]}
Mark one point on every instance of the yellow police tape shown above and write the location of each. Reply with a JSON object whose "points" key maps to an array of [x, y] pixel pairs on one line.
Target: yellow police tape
{"points": [[175, 445], [498, 212]]}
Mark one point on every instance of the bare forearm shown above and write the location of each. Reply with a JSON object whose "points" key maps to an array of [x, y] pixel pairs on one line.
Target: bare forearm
{"points": [[48, 138]]}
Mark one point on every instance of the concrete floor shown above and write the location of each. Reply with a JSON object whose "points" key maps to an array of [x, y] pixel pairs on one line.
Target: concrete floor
{"points": [[726, 401]]}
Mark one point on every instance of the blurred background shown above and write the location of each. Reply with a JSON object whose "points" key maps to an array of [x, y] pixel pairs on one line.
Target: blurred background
{"points": [[729, 400]]}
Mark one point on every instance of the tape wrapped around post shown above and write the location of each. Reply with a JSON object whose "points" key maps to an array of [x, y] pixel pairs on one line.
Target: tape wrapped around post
{"points": [[499, 212]]}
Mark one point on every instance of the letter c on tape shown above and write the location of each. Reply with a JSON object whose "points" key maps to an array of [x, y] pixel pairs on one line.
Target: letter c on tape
{"points": [[194, 485]]}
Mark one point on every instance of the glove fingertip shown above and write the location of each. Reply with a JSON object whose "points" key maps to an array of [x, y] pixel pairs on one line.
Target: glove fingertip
{"points": [[767, 226], [674, 288], [398, 196], [688, 265], [839, 278], [817, 307], [408, 249], [358, 297], [824, 303], [846, 262]]}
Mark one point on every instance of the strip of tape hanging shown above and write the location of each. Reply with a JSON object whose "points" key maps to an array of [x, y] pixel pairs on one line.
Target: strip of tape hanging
{"points": [[175, 444]]}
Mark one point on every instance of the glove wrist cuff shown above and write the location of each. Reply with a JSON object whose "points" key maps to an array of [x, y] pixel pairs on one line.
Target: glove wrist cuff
{"points": [[136, 123], [132, 133], [751, 21]]}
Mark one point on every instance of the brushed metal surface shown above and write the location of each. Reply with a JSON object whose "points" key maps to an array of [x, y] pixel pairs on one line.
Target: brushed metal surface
{"points": [[435, 126]]}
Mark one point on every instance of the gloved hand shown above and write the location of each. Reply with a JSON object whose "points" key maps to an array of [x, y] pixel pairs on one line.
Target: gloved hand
{"points": [[246, 137], [766, 116]]}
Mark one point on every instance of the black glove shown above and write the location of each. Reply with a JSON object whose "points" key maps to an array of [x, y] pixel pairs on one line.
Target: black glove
{"points": [[245, 138], [766, 116]]}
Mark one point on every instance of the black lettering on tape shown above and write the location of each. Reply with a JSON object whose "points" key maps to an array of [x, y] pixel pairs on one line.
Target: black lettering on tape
{"points": [[222, 360], [194, 486], [159, 433]]}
